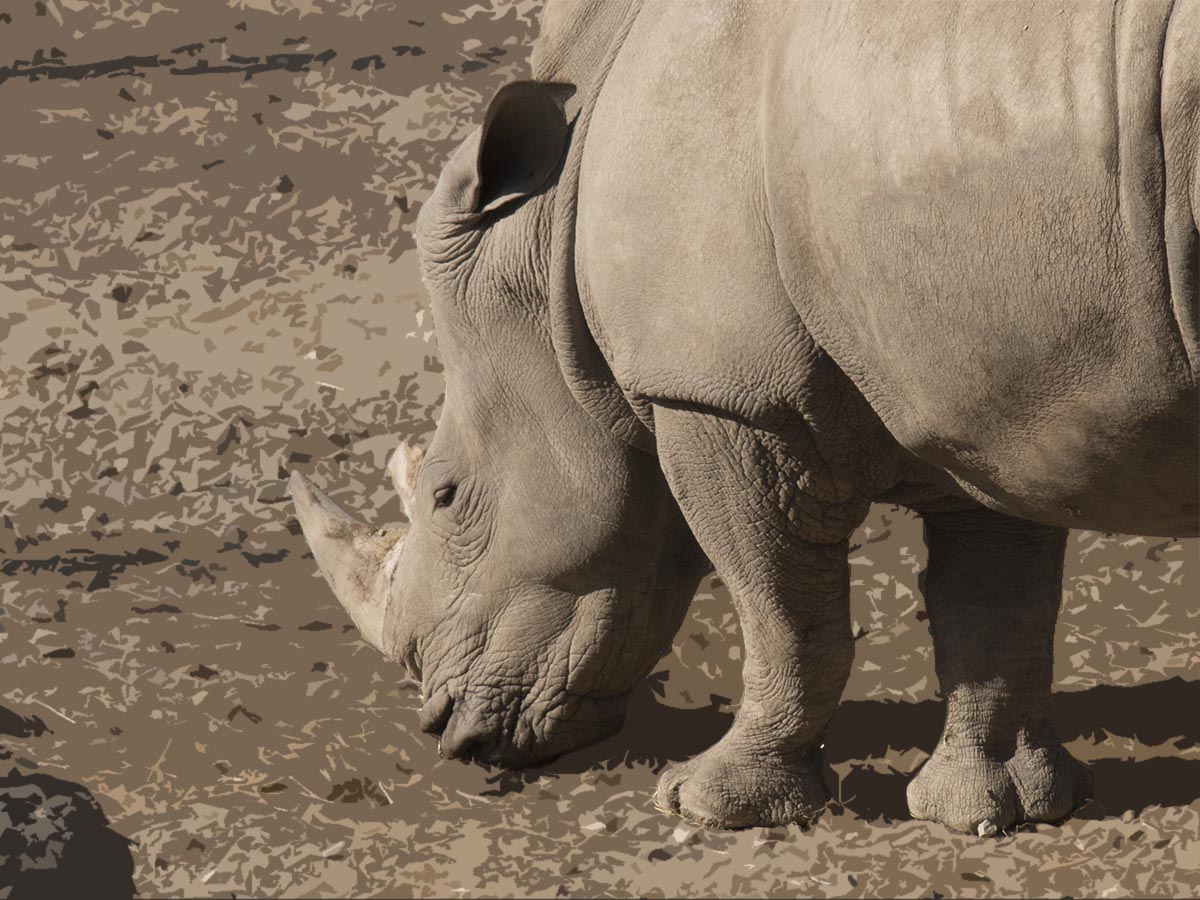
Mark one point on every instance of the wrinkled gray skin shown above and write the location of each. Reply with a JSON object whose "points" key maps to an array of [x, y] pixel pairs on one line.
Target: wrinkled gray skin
{"points": [[765, 264], [533, 598]]}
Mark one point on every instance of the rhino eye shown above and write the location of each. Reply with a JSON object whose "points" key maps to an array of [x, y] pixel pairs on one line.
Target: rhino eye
{"points": [[443, 496]]}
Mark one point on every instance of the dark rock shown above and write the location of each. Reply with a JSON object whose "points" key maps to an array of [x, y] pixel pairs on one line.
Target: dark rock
{"points": [[55, 841]]}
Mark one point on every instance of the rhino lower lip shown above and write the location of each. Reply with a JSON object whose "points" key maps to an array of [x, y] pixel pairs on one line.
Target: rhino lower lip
{"points": [[463, 733], [467, 736]]}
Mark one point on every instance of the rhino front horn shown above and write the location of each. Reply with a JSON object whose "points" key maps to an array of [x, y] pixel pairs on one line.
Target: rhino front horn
{"points": [[349, 553]]}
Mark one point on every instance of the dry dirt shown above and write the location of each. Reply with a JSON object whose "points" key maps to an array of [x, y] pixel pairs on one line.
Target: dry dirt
{"points": [[207, 281]]}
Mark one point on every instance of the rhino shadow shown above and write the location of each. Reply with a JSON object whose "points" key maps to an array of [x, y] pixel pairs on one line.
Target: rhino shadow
{"points": [[656, 734], [55, 841]]}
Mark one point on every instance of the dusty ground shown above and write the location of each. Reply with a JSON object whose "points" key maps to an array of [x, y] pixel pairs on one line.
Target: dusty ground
{"points": [[206, 281]]}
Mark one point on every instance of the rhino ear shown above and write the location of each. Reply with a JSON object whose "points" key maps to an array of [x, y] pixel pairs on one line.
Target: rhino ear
{"points": [[518, 148]]}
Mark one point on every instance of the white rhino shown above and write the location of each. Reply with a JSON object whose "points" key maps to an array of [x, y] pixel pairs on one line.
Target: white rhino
{"points": [[724, 273]]}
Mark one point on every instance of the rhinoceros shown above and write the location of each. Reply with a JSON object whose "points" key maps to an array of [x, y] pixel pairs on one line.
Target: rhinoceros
{"points": [[721, 275]]}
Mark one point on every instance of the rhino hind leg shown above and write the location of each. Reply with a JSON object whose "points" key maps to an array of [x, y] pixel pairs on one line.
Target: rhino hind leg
{"points": [[992, 592], [747, 495]]}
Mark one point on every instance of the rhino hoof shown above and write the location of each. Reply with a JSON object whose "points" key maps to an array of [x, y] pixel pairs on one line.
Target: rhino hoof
{"points": [[970, 793], [728, 788]]}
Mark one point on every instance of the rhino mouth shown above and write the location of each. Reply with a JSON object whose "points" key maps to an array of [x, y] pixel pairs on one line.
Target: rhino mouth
{"points": [[466, 732]]}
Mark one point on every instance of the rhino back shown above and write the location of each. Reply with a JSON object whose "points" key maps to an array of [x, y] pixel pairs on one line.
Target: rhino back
{"points": [[964, 207]]}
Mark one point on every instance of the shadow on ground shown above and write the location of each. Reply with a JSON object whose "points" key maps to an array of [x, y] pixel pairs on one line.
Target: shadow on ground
{"points": [[16, 725], [656, 735]]}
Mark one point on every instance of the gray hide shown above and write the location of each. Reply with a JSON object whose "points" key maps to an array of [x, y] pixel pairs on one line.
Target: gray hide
{"points": [[727, 272]]}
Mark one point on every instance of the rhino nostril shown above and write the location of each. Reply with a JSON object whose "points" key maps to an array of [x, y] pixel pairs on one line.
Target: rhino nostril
{"points": [[436, 713]]}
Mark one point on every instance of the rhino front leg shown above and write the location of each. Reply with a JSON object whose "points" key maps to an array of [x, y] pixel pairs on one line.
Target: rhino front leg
{"points": [[769, 517], [992, 592]]}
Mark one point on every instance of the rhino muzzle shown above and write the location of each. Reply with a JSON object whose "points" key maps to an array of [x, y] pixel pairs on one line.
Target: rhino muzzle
{"points": [[356, 560]]}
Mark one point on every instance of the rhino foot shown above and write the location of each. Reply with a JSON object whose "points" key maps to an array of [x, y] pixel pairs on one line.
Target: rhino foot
{"points": [[968, 791], [730, 786]]}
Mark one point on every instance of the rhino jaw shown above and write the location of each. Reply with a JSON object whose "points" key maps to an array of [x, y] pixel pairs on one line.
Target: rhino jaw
{"points": [[349, 553]]}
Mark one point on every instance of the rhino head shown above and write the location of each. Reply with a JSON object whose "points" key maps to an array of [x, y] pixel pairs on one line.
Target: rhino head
{"points": [[545, 566]]}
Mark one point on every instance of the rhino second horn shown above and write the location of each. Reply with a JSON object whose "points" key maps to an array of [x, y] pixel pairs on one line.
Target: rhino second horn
{"points": [[349, 553], [404, 466]]}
